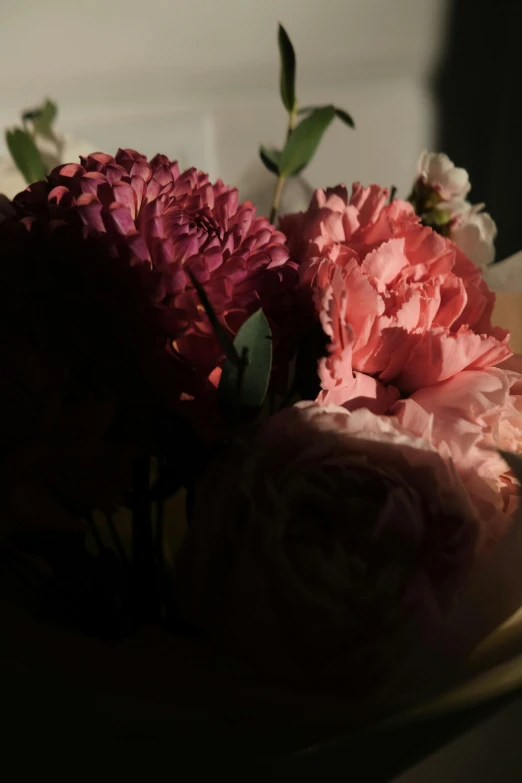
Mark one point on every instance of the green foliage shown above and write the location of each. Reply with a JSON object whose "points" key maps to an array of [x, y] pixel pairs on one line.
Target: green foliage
{"points": [[25, 154], [341, 114], [246, 385], [288, 66], [271, 158], [43, 119], [302, 143], [22, 143]]}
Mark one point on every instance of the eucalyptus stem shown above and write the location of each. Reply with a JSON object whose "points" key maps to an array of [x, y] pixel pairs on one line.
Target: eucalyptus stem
{"points": [[281, 179], [276, 198], [95, 532], [160, 528], [159, 544], [116, 540], [241, 374], [292, 116], [142, 541]]}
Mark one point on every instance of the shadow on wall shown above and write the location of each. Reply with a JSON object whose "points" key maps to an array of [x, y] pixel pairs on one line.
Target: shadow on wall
{"points": [[480, 122]]}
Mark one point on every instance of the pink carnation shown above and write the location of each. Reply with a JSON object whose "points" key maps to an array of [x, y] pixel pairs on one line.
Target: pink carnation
{"points": [[403, 306], [108, 247], [468, 418]]}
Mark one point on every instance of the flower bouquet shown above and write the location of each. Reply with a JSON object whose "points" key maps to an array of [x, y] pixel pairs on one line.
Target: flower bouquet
{"points": [[260, 484]]}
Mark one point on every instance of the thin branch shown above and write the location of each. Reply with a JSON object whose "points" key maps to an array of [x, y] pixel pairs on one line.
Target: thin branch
{"points": [[95, 532], [281, 179], [116, 540]]}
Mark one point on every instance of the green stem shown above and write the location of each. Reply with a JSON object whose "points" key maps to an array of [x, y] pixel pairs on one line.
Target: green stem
{"points": [[239, 387], [159, 546], [281, 179], [292, 116], [276, 198], [95, 533], [142, 541], [116, 540], [160, 506]]}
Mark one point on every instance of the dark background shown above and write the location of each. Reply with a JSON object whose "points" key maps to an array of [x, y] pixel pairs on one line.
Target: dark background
{"points": [[478, 88]]}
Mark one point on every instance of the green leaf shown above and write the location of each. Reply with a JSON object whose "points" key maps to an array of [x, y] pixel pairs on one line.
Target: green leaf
{"points": [[224, 340], [271, 159], [339, 113], [25, 154], [304, 140], [44, 119], [344, 117], [247, 385], [287, 78]]}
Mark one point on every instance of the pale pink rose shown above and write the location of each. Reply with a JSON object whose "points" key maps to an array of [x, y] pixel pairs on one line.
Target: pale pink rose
{"points": [[437, 171], [326, 550], [469, 418], [402, 306]]}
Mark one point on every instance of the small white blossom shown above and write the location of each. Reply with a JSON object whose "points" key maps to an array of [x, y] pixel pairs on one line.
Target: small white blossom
{"points": [[438, 172], [473, 231]]}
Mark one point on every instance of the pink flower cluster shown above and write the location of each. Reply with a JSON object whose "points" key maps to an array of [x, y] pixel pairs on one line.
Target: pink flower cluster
{"points": [[408, 318], [98, 268], [126, 234], [330, 542]]}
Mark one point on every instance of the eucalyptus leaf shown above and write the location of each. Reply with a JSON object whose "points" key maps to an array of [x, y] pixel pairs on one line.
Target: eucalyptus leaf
{"points": [[271, 159], [287, 78], [339, 113], [343, 115], [25, 154], [44, 119], [302, 143], [247, 385]]}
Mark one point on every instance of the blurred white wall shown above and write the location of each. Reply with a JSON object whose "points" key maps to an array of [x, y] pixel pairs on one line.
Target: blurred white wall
{"points": [[198, 79]]}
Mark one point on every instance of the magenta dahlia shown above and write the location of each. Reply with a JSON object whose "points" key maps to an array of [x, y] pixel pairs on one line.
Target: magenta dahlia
{"points": [[104, 250]]}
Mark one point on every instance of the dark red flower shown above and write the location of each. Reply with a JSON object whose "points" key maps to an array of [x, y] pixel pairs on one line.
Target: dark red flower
{"points": [[96, 263]]}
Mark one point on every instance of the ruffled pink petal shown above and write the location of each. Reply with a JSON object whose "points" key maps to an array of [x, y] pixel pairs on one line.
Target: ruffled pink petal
{"points": [[362, 392], [386, 262], [440, 355]]}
